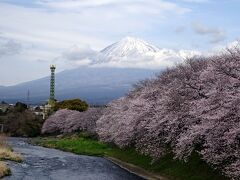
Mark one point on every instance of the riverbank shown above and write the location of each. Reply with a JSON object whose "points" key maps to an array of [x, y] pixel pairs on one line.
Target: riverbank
{"points": [[6, 153], [194, 169]]}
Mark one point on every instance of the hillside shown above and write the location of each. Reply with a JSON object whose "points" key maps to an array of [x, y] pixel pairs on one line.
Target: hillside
{"points": [[95, 85]]}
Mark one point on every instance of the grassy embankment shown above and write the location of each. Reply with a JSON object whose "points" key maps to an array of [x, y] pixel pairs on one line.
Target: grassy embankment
{"points": [[6, 153], [194, 169]]}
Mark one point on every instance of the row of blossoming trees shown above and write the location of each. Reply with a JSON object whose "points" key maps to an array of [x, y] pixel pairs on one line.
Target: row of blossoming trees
{"points": [[193, 107]]}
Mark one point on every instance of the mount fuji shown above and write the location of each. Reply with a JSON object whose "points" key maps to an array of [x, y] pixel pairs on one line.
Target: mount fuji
{"points": [[137, 53], [127, 47], [110, 74]]}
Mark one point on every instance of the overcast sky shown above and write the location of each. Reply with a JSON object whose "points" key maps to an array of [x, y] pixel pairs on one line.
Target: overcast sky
{"points": [[36, 33]]}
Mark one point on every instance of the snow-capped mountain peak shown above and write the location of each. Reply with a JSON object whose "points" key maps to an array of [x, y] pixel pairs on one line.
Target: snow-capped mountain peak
{"points": [[137, 53], [128, 47]]}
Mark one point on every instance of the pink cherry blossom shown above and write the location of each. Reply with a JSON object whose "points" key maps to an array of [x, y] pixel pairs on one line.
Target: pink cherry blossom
{"points": [[68, 121]]}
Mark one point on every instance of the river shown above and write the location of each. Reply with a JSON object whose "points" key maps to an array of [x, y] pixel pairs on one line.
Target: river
{"points": [[41, 163]]}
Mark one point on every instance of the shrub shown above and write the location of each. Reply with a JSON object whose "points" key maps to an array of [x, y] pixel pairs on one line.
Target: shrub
{"points": [[20, 107], [6, 153], [194, 106], [73, 104], [68, 121], [25, 124]]}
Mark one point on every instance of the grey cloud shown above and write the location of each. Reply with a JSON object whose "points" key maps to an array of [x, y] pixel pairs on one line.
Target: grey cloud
{"points": [[9, 47], [77, 53], [216, 35]]}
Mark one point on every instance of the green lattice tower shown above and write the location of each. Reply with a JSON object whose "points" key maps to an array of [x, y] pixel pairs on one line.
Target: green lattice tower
{"points": [[52, 85]]}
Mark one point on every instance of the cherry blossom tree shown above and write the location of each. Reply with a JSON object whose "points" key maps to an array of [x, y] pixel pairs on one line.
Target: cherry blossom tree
{"points": [[68, 121]]}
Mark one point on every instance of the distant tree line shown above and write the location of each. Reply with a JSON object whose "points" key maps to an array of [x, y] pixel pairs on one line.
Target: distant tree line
{"points": [[72, 104]]}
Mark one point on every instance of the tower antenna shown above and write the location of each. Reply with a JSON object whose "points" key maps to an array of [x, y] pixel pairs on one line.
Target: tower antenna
{"points": [[52, 84]]}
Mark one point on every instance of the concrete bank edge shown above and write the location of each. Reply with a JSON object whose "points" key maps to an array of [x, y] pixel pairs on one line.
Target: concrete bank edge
{"points": [[136, 170]]}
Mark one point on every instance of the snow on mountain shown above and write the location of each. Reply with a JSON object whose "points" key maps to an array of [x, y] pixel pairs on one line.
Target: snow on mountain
{"points": [[130, 52], [133, 52], [128, 46]]}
